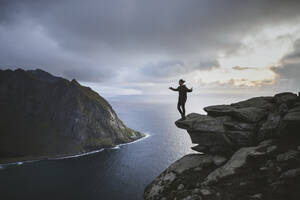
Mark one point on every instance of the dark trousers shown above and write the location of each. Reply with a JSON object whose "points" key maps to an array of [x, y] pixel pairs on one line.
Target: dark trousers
{"points": [[181, 108]]}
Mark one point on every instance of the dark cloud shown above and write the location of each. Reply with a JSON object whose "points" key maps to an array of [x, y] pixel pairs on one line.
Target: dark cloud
{"points": [[289, 71], [171, 68], [241, 68], [94, 40]]}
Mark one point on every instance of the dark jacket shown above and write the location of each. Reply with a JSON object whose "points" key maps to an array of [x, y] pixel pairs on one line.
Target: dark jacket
{"points": [[183, 90]]}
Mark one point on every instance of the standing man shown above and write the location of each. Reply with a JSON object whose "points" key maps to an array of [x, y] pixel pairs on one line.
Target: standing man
{"points": [[182, 89]]}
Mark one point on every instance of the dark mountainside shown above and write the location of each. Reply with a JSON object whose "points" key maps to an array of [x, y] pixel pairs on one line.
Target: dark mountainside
{"points": [[251, 151], [46, 116]]}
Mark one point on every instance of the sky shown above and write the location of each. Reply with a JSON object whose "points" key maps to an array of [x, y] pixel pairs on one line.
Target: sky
{"points": [[141, 47]]}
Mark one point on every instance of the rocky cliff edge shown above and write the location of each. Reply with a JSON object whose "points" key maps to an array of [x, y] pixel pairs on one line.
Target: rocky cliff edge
{"points": [[249, 150]]}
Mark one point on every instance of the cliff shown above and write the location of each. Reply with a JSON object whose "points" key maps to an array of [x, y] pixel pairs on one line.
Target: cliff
{"points": [[249, 150], [47, 116]]}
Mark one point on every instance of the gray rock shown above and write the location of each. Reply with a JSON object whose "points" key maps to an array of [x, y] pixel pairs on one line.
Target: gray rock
{"points": [[292, 117], [218, 160], [214, 143], [206, 131], [196, 191], [202, 123], [243, 183], [295, 109], [263, 168], [205, 192], [292, 173], [164, 181], [219, 110], [270, 128], [266, 103], [249, 114], [283, 109], [256, 196], [200, 148], [190, 161], [180, 187], [266, 142], [287, 98], [239, 126], [192, 197], [236, 161], [197, 169], [291, 154], [272, 148], [241, 138]]}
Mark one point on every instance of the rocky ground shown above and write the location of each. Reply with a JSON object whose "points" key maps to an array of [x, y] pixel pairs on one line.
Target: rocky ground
{"points": [[43, 115], [251, 150]]}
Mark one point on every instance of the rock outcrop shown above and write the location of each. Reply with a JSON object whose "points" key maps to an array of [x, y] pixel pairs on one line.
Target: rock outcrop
{"points": [[47, 116], [256, 143]]}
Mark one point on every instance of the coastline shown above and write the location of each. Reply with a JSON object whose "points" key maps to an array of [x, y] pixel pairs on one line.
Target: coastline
{"points": [[66, 156]]}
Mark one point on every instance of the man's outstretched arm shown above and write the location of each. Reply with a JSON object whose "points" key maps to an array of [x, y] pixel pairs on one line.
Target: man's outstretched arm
{"points": [[174, 89], [189, 90]]}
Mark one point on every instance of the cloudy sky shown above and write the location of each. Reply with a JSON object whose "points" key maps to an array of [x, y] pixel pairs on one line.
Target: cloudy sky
{"points": [[143, 47]]}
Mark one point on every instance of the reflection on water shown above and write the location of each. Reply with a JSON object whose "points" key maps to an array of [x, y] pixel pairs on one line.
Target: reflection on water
{"points": [[120, 173]]}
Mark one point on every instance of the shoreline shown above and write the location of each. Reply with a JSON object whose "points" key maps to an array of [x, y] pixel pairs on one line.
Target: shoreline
{"points": [[61, 157]]}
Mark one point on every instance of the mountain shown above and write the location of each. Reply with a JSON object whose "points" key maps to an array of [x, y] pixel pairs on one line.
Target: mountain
{"points": [[47, 116], [249, 150]]}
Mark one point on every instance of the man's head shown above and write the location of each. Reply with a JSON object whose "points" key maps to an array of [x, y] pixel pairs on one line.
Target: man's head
{"points": [[181, 81]]}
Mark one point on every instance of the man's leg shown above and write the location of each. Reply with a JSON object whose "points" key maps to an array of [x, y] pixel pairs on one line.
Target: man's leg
{"points": [[178, 107], [183, 110]]}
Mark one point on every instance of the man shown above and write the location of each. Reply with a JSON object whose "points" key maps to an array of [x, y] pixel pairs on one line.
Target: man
{"points": [[182, 89]]}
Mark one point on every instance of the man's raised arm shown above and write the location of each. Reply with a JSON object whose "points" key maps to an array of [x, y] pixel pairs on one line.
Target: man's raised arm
{"points": [[174, 89], [189, 90]]}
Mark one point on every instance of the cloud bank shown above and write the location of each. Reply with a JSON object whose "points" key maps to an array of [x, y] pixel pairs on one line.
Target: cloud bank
{"points": [[141, 45]]}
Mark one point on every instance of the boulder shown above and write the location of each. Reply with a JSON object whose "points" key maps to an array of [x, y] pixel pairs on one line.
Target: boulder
{"points": [[246, 114], [288, 98], [295, 109], [292, 173], [219, 110], [202, 123], [238, 160], [289, 155], [206, 131], [292, 117], [270, 128], [167, 185], [214, 143], [266, 103], [249, 114], [241, 138], [239, 126], [200, 148]]}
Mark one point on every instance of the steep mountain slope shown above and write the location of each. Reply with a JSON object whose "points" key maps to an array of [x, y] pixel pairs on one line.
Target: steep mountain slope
{"points": [[44, 116]]}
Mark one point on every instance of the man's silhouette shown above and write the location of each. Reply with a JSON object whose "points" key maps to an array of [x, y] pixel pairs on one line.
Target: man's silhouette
{"points": [[182, 89]]}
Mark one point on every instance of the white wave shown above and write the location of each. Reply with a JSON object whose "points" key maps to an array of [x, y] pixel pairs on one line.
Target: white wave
{"points": [[139, 140], [77, 155], [3, 166]]}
